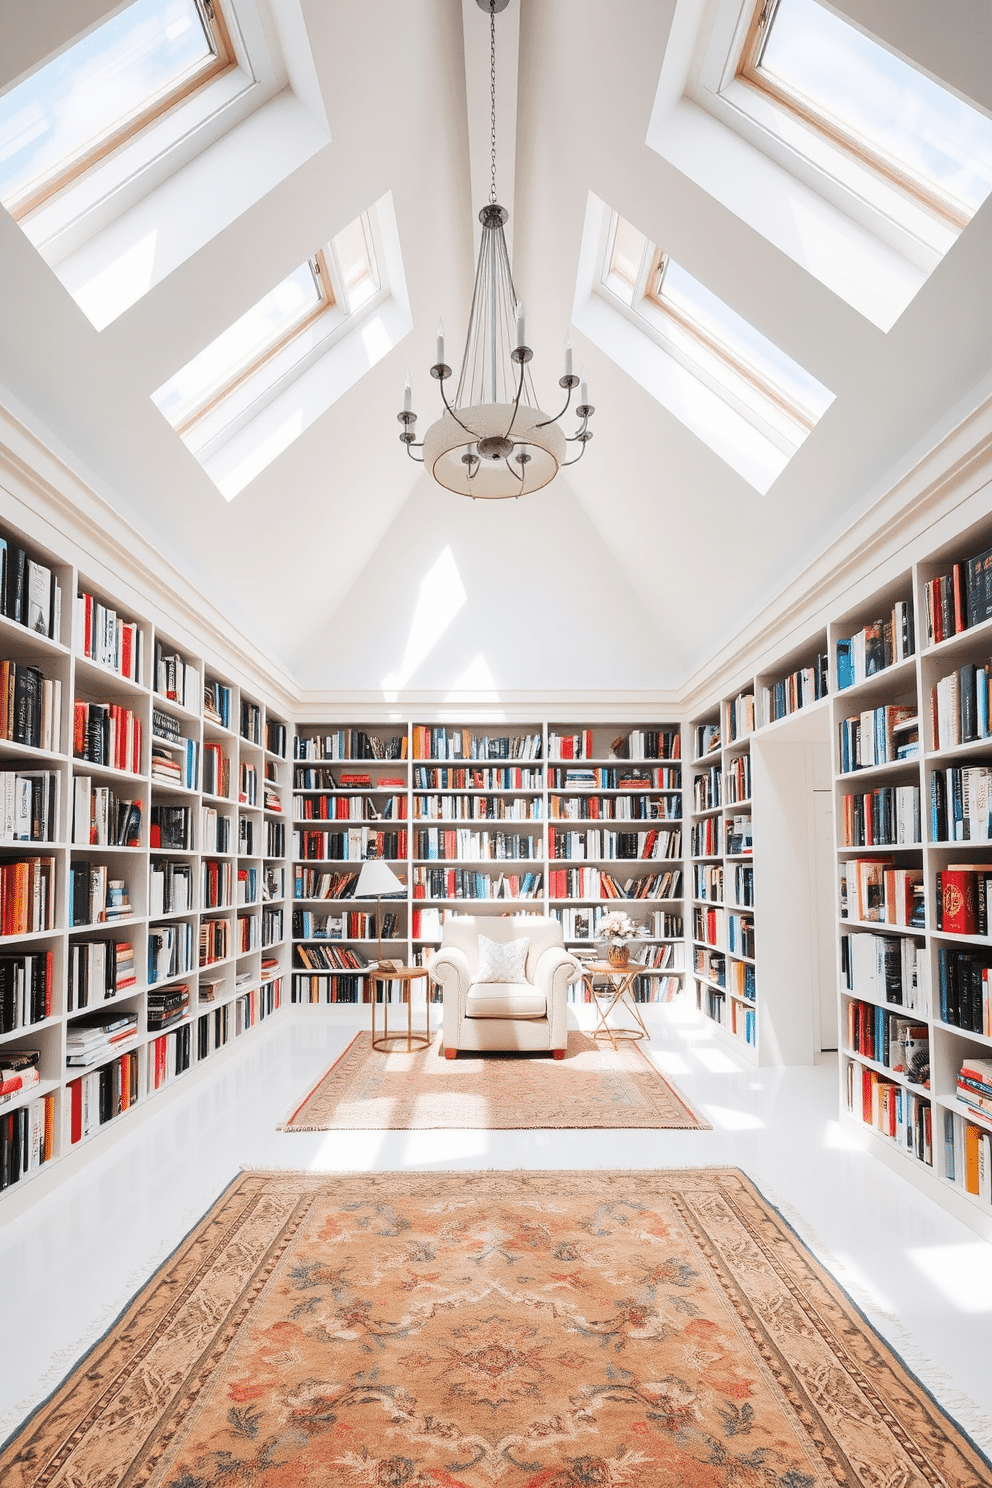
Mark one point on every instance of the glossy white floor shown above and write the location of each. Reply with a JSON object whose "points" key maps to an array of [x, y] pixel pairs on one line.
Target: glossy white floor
{"points": [[70, 1262]]}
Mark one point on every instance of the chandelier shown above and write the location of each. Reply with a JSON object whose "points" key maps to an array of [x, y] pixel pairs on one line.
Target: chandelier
{"points": [[493, 440]]}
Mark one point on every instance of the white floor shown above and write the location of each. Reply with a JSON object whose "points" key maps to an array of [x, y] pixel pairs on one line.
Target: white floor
{"points": [[70, 1262]]}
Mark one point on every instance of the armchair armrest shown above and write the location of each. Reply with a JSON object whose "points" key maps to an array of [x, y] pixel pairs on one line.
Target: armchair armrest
{"points": [[556, 967], [449, 966]]}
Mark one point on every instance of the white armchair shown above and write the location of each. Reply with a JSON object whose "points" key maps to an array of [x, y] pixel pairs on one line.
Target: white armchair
{"points": [[519, 1015]]}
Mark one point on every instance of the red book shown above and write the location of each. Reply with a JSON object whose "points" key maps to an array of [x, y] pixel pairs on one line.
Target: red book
{"points": [[958, 901], [127, 650], [960, 619], [88, 625], [75, 1110], [79, 729]]}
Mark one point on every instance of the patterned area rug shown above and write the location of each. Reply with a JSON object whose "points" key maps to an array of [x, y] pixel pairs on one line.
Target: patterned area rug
{"points": [[591, 1087], [469, 1330]]}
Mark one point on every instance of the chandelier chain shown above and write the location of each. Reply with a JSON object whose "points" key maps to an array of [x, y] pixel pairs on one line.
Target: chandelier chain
{"points": [[492, 94]]}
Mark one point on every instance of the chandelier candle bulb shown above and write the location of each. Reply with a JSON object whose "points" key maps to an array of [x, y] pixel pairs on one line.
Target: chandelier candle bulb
{"points": [[583, 393], [568, 356], [407, 395], [440, 343], [521, 337]]}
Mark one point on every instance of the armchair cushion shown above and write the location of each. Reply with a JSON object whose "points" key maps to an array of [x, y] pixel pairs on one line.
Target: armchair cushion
{"points": [[502, 960], [505, 1000]]}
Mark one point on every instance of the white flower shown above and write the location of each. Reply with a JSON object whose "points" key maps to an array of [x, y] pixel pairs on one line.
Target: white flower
{"points": [[617, 925]]}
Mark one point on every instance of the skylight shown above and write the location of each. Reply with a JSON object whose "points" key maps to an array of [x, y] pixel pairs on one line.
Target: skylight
{"points": [[86, 102], [890, 115], [254, 337], [693, 324]]}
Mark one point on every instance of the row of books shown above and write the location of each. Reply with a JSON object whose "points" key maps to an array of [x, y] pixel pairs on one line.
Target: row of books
{"points": [[349, 744], [366, 808], [271, 797], [213, 1030], [247, 886], [597, 843], [709, 925], [169, 1057], [97, 1097], [878, 736], [170, 886], [103, 636], [349, 925], [167, 1005], [740, 717], [251, 721], [963, 891], [466, 883], [217, 702], [740, 935], [216, 883], [452, 744], [101, 818], [27, 984], [974, 1086], [461, 843], [887, 817], [595, 883], [741, 980], [874, 890], [30, 706], [740, 839], [170, 951], [321, 778], [216, 771], [960, 599], [892, 1110], [275, 737], [711, 966], [94, 896], [707, 882], [313, 883], [97, 971], [20, 1072], [744, 885], [609, 777], [707, 740], [639, 807], [247, 784], [248, 937], [107, 734], [887, 969], [899, 1043], [215, 939], [30, 805], [329, 958], [583, 924], [476, 808], [272, 926], [706, 837], [970, 1156], [744, 1022], [27, 895], [707, 789], [27, 1138], [797, 690], [176, 678], [963, 988], [30, 591], [356, 843], [876, 646], [959, 706], [737, 784]]}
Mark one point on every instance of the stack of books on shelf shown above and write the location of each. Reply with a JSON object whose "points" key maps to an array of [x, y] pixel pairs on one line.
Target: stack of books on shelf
{"points": [[876, 646], [27, 895], [887, 969], [101, 635], [99, 969], [168, 1006], [354, 744], [899, 1043], [217, 703], [19, 1072], [95, 897], [176, 679], [963, 899], [961, 804], [100, 818], [97, 1035], [26, 987], [170, 951], [963, 979], [878, 736], [107, 734], [875, 890], [959, 705], [893, 1111], [887, 817], [170, 887], [797, 690]]}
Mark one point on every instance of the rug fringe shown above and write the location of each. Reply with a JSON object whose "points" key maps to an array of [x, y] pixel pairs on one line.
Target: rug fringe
{"points": [[968, 1414]]}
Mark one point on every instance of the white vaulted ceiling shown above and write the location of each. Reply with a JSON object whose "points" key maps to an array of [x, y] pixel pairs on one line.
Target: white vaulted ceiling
{"points": [[638, 563]]}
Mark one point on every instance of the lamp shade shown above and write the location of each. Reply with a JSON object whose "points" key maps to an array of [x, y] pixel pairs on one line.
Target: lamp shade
{"points": [[377, 878]]}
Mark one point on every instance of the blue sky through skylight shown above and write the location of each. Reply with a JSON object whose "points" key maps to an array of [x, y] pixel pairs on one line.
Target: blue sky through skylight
{"points": [[79, 98], [903, 115]]}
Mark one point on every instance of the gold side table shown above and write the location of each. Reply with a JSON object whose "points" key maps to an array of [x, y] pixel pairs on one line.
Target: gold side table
{"points": [[618, 993], [415, 1037]]}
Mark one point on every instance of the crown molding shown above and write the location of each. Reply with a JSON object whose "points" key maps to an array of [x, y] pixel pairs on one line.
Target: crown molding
{"points": [[61, 511]]}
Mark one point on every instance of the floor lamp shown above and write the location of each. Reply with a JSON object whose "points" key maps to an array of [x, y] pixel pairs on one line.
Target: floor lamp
{"points": [[375, 880]]}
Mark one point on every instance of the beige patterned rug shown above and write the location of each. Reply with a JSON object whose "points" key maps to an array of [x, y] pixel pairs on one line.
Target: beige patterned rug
{"points": [[491, 1330], [593, 1086]]}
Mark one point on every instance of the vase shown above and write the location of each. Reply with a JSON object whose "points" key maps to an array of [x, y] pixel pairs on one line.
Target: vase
{"points": [[618, 955]]}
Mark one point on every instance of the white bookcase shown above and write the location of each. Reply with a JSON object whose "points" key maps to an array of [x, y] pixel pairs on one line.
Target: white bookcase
{"points": [[62, 1114]]}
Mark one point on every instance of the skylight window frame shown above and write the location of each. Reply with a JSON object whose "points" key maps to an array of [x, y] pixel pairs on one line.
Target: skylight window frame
{"points": [[222, 60], [748, 73], [328, 301]]}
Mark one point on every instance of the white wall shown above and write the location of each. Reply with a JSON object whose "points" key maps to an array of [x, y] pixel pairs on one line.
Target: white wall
{"points": [[480, 598]]}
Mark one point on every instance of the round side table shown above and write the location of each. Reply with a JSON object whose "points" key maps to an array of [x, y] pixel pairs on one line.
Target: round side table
{"points": [[618, 993], [415, 1038]]}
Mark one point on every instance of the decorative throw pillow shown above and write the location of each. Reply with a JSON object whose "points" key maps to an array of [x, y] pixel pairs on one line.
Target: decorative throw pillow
{"points": [[502, 960]]}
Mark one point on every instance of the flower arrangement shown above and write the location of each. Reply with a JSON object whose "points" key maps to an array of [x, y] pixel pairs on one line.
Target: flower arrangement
{"points": [[616, 927]]}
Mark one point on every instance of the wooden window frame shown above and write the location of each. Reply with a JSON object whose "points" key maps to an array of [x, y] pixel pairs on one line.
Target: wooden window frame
{"points": [[718, 349], [322, 277], [749, 73], [222, 60]]}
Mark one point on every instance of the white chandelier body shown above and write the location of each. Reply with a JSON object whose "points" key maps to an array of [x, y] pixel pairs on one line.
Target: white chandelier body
{"points": [[493, 440]]}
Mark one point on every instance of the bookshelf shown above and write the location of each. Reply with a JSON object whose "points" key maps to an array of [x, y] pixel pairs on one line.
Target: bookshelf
{"points": [[912, 762], [538, 817], [119, 945]]}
